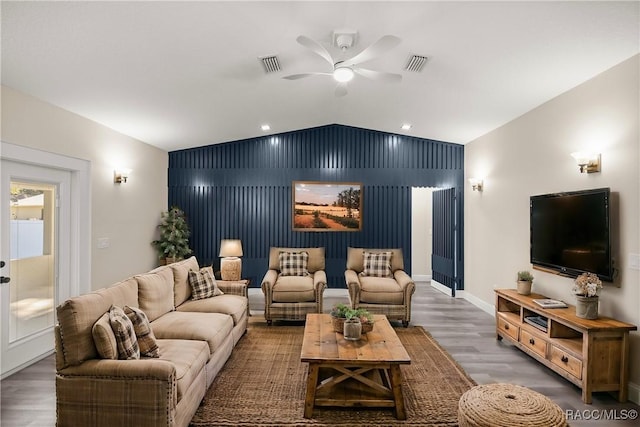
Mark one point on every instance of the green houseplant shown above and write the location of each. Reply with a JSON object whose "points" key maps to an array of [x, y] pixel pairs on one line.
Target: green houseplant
{"points": [[340, 313], [525, 279], [173, 244]]}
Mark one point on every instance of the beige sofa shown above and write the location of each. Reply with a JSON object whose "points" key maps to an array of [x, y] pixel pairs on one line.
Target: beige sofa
{"points": [[195, 338], [390, 296], [292, 297]]}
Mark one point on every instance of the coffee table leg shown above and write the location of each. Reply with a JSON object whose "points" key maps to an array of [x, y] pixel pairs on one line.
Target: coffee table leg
{"points": [[312, 383], [396, 387]]}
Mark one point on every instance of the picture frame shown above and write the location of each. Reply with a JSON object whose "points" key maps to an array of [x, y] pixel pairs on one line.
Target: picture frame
{"points": [[326, 206]]}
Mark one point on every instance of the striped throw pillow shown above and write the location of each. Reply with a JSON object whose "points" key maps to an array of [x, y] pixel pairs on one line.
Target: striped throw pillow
{"points": [[144, 334], [125, 335], [203, 284], [377, 264], [293, 263]]}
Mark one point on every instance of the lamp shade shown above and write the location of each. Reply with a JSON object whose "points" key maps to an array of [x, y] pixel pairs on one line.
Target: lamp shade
{"points": [[230, 248]]}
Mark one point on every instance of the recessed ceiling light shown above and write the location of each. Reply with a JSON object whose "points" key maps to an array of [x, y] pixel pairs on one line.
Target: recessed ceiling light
{"points": [[406, 126], [265, 127]]}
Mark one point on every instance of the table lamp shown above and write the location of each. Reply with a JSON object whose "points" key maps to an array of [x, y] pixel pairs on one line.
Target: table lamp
{"points": [[230, 264]]}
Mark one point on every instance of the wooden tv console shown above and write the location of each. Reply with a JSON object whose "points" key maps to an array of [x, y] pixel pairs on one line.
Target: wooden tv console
{"points": [[592, 354]]}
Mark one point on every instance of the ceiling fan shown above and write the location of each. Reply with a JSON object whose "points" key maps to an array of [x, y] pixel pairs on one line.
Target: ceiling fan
{"points": [[345, 69]]}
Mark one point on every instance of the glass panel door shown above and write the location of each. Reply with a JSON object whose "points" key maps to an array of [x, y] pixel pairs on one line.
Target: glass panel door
{"points": [[32, 254]]}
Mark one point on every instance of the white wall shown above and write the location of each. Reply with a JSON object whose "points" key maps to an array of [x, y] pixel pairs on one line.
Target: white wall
{"points": [[421, 233], [531, 155], [128, 213]]}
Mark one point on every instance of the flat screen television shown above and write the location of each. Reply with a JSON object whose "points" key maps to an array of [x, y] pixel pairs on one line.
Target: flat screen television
{"points": [[570, 233]]}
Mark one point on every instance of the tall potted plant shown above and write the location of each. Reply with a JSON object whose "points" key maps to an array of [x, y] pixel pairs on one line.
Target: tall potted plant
{"points": [[173, 244]]}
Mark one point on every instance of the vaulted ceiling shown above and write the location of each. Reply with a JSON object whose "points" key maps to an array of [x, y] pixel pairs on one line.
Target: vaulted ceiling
{"points": [[183, 74]]}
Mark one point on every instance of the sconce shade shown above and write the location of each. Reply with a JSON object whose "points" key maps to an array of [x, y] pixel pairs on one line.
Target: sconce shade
{"points": [[121, 175], [230, 248], [476, 184], [587, 162]]}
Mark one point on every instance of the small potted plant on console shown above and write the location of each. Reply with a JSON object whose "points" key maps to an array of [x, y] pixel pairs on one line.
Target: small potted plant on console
{"points": [[525, 279]]}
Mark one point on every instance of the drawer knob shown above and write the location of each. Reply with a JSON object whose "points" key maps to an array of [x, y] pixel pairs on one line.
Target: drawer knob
{"points": [[532, 341], [506, 326], [564, 359]]}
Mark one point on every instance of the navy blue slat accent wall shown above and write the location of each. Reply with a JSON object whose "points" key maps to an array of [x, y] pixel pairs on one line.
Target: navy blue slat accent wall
{"points": [[242, 190]]}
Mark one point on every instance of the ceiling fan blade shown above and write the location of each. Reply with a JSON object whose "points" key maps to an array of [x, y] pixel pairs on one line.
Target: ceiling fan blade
{"points": [[316, 47], [303, 75], [383, 44], [379, 75], [341, 89]]}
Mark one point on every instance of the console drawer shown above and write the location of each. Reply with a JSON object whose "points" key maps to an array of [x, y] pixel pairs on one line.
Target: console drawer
{"points": [[534, 343], [508, 328], [566, 361]]}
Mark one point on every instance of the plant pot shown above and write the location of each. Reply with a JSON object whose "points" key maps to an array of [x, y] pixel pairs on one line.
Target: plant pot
{"points": [[587, 307], [167, 261], [524, 287], [352, 329]]}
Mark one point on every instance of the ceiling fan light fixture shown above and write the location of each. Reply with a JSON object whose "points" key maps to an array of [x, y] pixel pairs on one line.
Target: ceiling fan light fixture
{"points": [[343, 74]]}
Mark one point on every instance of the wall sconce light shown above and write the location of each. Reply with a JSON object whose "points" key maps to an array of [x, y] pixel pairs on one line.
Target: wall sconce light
{"points": [[588, 162], [230, 264], [121, 175], [476, 184]]}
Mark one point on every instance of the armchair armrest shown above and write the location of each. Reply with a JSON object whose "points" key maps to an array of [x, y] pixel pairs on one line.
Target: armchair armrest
{"points": [[353, 284], [319, 278], [403, 279], [267, 285]]}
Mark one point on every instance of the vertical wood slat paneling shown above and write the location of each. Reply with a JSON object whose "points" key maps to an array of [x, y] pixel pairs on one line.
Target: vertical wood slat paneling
{"points": [[243, 190]]}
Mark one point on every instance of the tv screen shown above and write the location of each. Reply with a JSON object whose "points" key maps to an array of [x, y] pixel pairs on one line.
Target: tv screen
{"points": [[570, 232]]}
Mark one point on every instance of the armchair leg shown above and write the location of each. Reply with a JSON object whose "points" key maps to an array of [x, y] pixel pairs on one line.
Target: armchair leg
{"points": [[405, 323], [269, 322]]}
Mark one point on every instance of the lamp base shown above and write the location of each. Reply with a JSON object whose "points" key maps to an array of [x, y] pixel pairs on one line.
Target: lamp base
{"points": [[231, 268]]}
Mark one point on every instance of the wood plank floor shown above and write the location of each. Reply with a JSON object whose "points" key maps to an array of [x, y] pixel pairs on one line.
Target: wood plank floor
{"points": [[466, 332]]}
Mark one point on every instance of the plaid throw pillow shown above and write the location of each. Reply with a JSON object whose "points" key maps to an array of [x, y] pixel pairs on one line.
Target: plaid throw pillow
{"points": [[293, 263], [144, 334], [125, 335], [203, 284], [377, 265]]}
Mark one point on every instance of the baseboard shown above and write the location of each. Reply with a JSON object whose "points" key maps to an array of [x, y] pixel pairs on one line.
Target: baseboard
{"points": [[26, 364], [634, 393], [444, 289], [421, 278], [486, 307]]}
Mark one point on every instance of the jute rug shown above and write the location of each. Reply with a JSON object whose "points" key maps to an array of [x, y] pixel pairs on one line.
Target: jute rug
{"points": [[263, 384]]}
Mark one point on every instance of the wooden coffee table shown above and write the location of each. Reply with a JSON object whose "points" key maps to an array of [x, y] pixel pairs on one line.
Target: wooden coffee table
{"points": [[364, 373]]}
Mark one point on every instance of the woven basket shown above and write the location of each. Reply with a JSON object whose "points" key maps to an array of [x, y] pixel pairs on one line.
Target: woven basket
{"points": [[338, 325]]}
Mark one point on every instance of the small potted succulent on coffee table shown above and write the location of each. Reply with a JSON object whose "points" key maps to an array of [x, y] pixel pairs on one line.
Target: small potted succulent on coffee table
{"points": [[341, 313]]}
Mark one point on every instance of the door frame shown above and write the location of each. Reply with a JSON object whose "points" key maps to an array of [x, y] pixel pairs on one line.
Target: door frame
{"points": [[80, 215]]}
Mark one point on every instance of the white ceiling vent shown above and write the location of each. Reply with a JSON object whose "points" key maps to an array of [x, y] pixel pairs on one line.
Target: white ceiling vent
{"points": [[415, 63], [270, 63]]}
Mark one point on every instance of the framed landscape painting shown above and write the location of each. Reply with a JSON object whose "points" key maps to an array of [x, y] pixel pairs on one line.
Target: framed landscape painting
{"points": [[327, 206]]}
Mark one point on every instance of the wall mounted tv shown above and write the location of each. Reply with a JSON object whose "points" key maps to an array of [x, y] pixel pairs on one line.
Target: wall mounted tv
{"points": [[570, 233]]}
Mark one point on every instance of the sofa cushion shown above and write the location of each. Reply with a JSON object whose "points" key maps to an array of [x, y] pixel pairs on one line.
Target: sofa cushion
{"points": [[104, 338], [210, 327], [233, 305], [181, 288], [293, 263], [122, 293], [380, 290], [314, 263], [189, 358], [155, 292], [126, 340], [355, 258], [377, 264], [142, 329], [293, 289], [203, 284]]}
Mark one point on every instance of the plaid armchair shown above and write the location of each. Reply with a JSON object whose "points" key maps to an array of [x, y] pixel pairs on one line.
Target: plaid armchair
{"points": [[294, 284], [378, 282]]}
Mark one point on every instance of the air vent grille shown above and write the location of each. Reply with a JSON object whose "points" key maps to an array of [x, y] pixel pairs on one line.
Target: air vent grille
{"points": [[415, 63], [270, 63]]}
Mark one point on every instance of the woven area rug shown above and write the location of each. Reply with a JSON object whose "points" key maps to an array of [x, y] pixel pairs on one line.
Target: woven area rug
{"points": [[263, 384]]}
